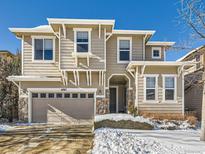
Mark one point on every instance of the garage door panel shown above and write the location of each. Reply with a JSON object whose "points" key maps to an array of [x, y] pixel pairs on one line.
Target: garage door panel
{"points": [[62, 109]]}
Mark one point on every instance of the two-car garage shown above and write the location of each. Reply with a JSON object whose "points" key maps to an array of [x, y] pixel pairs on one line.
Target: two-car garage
{"points": [[70, 105]]}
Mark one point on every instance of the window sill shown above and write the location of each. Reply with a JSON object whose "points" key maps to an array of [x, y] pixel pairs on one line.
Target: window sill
{"points": [[169, 102], [81, 54], [151, 102], [43, 61], [123, 62]]}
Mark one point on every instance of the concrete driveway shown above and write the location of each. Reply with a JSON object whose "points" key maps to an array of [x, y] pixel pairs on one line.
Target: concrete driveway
{"points": [[47, 139]]}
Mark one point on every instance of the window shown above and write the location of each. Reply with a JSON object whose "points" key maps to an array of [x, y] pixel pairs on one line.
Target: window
{"points": [[82, 95], [124, 49], [156, 52], [90, 95], [66, 95], [43, 95], [34, 95], [150, 88], [74, 95], [59, 95], [82, 40], [51, 95], [169, 87], [43, 49]]}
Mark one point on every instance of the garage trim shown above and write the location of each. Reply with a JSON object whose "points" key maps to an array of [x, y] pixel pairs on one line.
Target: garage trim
{"points": [[62, 90]]}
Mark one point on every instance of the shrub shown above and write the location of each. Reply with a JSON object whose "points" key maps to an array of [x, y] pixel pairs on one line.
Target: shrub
{"points": [[132, 109]]}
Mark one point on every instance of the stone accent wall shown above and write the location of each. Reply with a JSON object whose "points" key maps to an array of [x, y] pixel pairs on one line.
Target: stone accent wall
{"points": [[102, 104], [23, 109]]}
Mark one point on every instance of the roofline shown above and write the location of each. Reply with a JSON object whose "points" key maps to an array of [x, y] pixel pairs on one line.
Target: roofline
{"points": [[81, 21], [136, 32], [27, 30], [160, 43], [6, 51], [32, 78], [189, 53], [160, 63]]}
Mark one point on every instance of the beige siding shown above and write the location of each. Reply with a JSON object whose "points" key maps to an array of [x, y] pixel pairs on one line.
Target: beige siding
{"points": [[82, 78], [116, 68], [160, 106], [36, 68], [97, 49], [148, 54]]}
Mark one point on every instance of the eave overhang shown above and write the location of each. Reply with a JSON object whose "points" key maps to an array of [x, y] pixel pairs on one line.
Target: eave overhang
{"points": [[33, 78]]}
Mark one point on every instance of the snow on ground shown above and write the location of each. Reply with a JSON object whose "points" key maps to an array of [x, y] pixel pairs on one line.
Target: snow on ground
{"points": [[122, 141], [157, 124], [4, 127]]}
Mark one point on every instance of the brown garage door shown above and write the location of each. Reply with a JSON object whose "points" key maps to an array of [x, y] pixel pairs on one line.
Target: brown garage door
{"points": [[62, 107]]}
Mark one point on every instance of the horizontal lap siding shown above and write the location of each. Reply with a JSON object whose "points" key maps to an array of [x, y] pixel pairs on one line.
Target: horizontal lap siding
{"points": [[148, 54], [97, 49], [160, 106], [67, 49], [112, 66], [34, 68]]}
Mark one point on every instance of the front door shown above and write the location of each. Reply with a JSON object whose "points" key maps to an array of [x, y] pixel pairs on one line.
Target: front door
{"points": [[113, 100]]}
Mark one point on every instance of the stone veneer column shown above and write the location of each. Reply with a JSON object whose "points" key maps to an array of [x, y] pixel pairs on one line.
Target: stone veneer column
{"points": [[102, 104], [23, 109], [130, 97]]}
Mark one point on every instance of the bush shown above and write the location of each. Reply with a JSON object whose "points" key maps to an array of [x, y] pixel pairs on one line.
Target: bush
{"points": [[165, 116], [132, 109]]}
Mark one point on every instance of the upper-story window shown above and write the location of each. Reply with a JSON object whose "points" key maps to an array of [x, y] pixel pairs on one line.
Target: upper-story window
{"points": [[124, 46], [169, 87], [151, 87], [43, 48], [156, 52], [82, 40]]}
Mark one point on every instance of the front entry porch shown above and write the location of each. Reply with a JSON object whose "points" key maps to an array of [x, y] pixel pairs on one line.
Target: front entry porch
{"points": [[118, 94]]}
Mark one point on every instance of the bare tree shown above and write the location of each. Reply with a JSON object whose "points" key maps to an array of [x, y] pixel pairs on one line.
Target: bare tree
{"points": [[192, 13]]}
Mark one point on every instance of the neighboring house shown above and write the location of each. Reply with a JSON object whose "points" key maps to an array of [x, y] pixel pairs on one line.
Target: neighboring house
{"points": [[5, 54], [76, 68], [193, 84]]}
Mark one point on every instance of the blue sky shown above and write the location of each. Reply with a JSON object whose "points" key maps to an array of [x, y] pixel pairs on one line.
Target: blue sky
{"points": [[159, 15]]}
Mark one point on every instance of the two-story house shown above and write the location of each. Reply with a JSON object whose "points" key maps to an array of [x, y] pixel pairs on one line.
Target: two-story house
{"points": [[75, 68]]}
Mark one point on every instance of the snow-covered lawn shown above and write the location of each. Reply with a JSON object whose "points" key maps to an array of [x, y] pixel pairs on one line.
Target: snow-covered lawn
{"points": [[123, 141], [157, 141]]}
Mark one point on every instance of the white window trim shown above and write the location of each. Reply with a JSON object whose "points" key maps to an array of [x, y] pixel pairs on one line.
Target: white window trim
{"points": [[118, 50], [175, 88], [33, 48], [156, 88], [160, 52], [89, 40]]}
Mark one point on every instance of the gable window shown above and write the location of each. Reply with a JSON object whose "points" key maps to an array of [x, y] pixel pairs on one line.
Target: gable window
{"points": [[82, 40], [156, 52], [124, 49], [150, 88], [169, 87], [43, 49]]}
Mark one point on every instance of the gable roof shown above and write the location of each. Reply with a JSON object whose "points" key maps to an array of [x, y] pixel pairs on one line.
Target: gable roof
{"points": [[190, 52], [6, 51]]}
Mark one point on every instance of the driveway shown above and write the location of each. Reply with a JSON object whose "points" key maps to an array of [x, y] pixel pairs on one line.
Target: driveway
{"points": [[47, 139]]}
